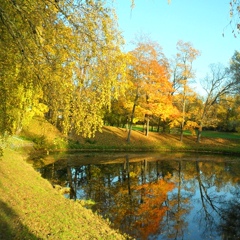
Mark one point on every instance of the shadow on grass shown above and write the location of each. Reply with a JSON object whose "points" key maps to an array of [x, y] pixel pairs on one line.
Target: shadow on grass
{"points": [[11, 226]]}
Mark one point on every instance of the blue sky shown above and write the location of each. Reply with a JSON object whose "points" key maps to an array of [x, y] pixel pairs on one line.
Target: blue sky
{"points": [[201, 22]]}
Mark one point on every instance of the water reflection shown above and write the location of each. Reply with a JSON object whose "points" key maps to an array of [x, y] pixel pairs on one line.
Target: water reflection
{"points": [[156, 197]]}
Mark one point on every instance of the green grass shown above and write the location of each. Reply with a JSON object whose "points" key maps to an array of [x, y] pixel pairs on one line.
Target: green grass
{"points": [[224, 135], [207, 133], [30, 208]]}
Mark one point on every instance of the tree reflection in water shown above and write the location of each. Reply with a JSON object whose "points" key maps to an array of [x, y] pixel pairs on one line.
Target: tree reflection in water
{"points": [[229, 226], [151, 198]]}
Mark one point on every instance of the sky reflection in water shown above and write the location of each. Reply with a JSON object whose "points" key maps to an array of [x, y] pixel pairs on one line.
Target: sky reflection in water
{"points": [[156, 196]]}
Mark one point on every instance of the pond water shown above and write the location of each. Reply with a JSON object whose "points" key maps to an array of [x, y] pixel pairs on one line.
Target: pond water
{"points": [[156, 196]]}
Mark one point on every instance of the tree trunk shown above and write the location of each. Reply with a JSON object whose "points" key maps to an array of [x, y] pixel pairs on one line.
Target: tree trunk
{"points": [[158, 127], [132, 117], [182, 123], [199, 134], [147, 126], [126, 125], [183, 111], [181, 133], [131, 123]]}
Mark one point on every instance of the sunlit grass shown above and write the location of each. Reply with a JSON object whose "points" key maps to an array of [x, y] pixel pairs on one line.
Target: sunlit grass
{"points": [[205, 133], [30, 208], [115, 139], [216, 134]]}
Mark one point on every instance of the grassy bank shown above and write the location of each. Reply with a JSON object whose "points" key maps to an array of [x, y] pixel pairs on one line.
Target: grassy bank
{"points": [[46, 137], [30, 208], [113, 138]]}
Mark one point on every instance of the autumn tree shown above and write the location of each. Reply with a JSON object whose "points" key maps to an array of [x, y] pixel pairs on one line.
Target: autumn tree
{"points": [[20, 54], [227, 111], [149, 76], [97, 69], [182, 74], [157, 89], [63, 58]]}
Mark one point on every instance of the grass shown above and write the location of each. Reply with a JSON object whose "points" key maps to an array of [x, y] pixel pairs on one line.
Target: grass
{"points": [[30, 208], [114, 139], [224, 135], [210, 134]]}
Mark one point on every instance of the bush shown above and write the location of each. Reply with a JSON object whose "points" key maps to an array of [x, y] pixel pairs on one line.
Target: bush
{"points": [[40, 142], [60, 143], [91, 141]]}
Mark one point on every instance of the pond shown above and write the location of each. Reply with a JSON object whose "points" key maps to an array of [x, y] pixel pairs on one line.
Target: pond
{"points": [[156, 196]]}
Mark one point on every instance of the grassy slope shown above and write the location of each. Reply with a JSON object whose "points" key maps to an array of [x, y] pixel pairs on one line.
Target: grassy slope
{"points": [[31, 209], [113, 138]]}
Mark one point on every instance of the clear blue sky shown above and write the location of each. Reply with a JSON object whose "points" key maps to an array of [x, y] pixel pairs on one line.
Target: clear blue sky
{"points": [[201, 22]]}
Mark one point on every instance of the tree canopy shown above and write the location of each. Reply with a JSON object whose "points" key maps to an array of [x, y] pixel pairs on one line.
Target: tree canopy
{"points": [[63, 60], [60, 58]]}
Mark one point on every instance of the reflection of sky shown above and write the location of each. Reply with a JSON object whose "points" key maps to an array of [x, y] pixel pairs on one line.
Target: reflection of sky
{"points": [[200, 225], [197, 218]]}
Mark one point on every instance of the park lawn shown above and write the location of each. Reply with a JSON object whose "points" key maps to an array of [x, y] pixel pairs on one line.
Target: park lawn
{"points": [[114, 139], [46, 137], [206, 133], [224, 135]]}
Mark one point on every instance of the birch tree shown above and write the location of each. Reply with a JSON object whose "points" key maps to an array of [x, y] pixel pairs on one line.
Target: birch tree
{"points": [[182, 74]]}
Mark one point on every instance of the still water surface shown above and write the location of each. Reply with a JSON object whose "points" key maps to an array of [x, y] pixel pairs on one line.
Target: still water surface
{"points": [[156, 196]]}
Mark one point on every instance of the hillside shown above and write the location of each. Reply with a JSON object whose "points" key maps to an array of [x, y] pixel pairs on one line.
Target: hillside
{"points": [[115, 138], [30, 208], [47, 137]]}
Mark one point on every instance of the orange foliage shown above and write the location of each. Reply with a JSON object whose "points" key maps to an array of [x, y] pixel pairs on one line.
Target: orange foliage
{"points": [[151, 212], [150, 74]]}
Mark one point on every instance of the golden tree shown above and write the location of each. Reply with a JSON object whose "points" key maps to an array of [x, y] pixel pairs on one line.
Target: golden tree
{"points": [[149, 76], [59, 57]]}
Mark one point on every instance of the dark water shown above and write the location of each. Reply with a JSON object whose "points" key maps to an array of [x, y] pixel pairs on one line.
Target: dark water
{"points": [[156, 196]]}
